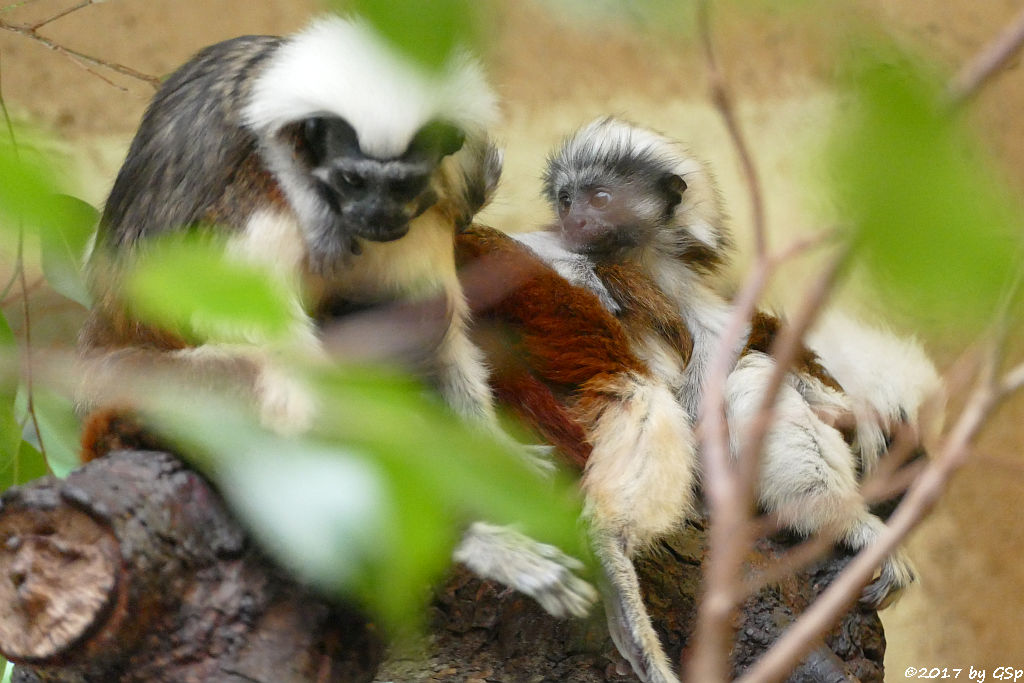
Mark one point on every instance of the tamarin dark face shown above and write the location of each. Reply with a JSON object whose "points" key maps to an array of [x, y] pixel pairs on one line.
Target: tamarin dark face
{"points": [[374, 199], [603, 218]]}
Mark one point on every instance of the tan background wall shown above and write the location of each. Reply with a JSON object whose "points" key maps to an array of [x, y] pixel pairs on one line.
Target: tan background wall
{"points": [[556, 74]]}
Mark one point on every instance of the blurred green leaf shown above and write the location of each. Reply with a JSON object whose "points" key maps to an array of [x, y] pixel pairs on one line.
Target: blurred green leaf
{"points": [[8, 363], [59, 429], [932, 219], [468, 470], [10, 443], [329, 512], [10, 430], [189, 285], [63, 246], [427, 32], [422, 535], [372, 501], [28, 187], [8, 670], [22, 462]]}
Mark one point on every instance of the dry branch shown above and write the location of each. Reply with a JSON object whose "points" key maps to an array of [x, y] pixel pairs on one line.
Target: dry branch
{"points": [[87, 62]]}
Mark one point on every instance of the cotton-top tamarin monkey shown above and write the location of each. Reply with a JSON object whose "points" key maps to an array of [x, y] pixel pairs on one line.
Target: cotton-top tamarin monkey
{"points": [[567, 365], [626, 196], [346, 169]]}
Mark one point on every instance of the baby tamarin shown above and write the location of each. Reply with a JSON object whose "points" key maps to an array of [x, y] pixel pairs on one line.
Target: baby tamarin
{"points": [[627, 197]]}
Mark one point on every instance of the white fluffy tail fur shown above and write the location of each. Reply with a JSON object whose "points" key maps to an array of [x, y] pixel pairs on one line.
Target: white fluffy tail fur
{"points": [[887, 378]]}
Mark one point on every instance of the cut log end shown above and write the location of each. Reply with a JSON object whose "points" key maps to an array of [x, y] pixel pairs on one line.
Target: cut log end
{"points": [[59, 568]]}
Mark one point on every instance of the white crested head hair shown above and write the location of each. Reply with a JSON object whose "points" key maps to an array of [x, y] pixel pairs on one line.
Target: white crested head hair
{"points": [[342, 67], [610, 145]]}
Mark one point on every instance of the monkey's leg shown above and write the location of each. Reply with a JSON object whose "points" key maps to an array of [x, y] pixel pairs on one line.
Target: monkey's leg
{"points": [[125, 377], [808, 475], [539, 570], [628, 622], [639, 485]]}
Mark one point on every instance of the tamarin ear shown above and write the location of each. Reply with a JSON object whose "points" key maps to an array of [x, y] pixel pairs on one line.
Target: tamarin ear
{"points": [[673, 185]]}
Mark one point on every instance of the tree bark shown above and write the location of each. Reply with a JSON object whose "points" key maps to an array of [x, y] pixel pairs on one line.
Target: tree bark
{"points": [[480, 632], [133, 570]]}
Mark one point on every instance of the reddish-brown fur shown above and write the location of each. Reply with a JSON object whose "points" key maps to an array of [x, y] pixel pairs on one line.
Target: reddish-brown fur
{"points": [[114, 429], [566, 356], [764, 329], [645, 307]]}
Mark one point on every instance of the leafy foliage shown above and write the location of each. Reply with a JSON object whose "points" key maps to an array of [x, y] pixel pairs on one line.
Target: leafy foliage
{"points": [[931, 217], [370, 500], [31, 205], [63, 244], [428, 32], [215, 298]]}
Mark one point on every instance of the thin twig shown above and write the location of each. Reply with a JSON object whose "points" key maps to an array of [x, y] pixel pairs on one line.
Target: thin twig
{"points": [[723, 102], [784, 351], [986, 63], [60, 15], [1014, 380], [6, 298], [920, 499], [731, 531], [80, 58], [7, 114], [29, 381], [27, 316], [922, 494]]}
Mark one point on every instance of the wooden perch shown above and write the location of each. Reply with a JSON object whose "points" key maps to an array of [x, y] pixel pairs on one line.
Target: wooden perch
{"points": [[480, 632], [132, 570]]}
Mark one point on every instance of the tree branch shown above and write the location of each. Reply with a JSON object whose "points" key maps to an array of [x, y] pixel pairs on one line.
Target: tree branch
{"points": [[986, 63], [79, 58], [723, 102], [920, 499]]}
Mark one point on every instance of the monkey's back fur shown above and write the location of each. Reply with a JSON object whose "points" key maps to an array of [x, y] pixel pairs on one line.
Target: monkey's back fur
{"points": [[192, 160]]}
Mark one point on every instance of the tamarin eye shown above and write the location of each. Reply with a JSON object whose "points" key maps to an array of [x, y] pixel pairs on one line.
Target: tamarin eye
{"points": [[564, 202], [600, 199], [349, 179]]}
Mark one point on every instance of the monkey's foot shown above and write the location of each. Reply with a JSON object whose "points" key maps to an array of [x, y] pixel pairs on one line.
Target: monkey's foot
{"points": [[536, 569], [897, 573]]}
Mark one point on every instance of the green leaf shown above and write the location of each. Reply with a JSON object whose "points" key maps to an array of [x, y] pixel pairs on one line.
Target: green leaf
{"points": [[472, 473], [20, 461], [371, 502], [932, 219], [188, 284], [10, 444], [8, 363], [60, 431], [63, 245], [10, 430], [27, 187], [427, 32]]}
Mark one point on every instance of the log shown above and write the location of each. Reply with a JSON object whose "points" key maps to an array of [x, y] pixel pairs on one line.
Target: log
{"points": [[481, 632], [132, 570]]}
